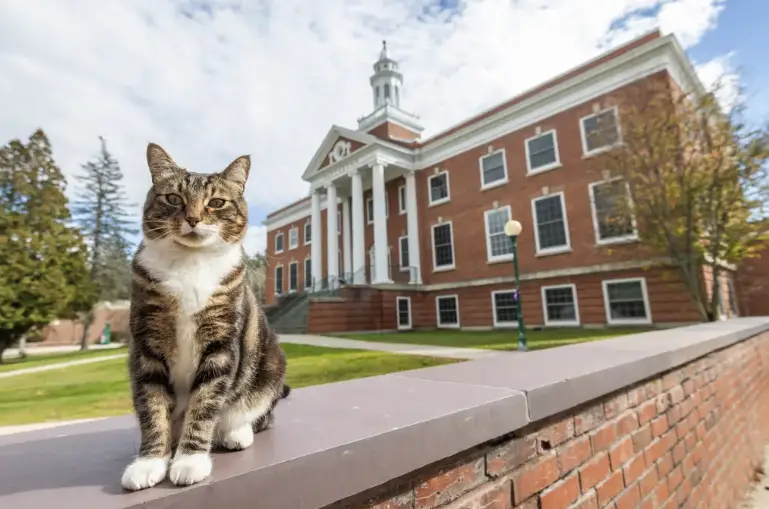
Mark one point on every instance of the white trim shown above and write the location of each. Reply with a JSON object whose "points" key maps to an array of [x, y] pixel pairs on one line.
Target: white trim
{"points": [[490, 258], [496, 183], [398, 312], [438, 323], [453, 254], [535, 220], [404, 268], [611, 240], [604, 148], [560, 323], [370, 219], [338, 222], [644, 293], [307, 258], [278, 291], [550, 166], [307, 228], [401, 199], [496, 322], [430, 202], [296, 264], [282, 241], [292, 245]]}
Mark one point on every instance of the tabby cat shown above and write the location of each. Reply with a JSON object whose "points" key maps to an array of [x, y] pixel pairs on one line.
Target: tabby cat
{"points": [[206, 370]]}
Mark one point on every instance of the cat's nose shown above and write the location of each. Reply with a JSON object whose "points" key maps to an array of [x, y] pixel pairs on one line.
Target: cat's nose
{"points": [[192, 221]]}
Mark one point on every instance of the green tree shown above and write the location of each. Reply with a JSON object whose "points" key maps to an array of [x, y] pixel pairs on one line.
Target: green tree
{"points": [[696, 182], [256, 274], [43, 270]]}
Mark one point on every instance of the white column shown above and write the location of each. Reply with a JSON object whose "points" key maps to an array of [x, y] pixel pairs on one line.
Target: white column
{"points": [[346, 237], [412, 228], [332, 241], [380, 226], [316, 249], [358, 230]]}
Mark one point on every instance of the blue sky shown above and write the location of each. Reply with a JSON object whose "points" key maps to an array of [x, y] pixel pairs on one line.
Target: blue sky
{"points": [[213, 79]]}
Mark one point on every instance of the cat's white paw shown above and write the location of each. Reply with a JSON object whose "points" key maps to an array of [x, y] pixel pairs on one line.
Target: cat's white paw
{"points": [[238, 439], [144, 473], [190, 468]]}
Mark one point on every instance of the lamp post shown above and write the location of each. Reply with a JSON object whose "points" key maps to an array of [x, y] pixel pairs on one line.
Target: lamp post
{"points": [[512, 230]]}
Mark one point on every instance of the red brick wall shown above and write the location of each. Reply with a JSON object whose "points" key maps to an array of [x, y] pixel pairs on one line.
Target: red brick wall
{"points": [[388, 130], [753, 285], [689, 438]]}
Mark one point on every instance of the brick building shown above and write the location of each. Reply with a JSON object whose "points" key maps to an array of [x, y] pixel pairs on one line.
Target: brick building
{"points": [[415, 237]]}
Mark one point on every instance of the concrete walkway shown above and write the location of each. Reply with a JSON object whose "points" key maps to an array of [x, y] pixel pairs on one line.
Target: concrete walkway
{"points": [[31, 349], [59, 365], [401, 348], [9, 430]]}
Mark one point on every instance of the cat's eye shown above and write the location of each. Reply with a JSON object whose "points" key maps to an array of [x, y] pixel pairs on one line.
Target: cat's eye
{"points": [[216, 203], [174, 199]]}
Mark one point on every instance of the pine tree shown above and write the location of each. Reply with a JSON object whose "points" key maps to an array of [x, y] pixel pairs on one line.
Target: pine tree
{"points": [[43, 258]]}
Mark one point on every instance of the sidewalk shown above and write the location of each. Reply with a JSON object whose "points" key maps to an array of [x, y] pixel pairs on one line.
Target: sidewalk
{"points": [[31, 349], [59, 365]]}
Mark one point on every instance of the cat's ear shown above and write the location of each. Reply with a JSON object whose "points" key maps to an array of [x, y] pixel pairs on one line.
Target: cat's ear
{"points": [[160, 163], [237, 171]]}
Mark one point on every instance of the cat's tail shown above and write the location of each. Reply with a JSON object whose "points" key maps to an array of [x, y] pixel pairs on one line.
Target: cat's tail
{"points": [[286, 391]]}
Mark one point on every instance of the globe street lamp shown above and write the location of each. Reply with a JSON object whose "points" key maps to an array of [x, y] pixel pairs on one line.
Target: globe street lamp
{"points": [[512, 230]]}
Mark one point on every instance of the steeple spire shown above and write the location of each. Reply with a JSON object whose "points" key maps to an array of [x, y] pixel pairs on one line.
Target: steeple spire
{"points": [[383, 54]]}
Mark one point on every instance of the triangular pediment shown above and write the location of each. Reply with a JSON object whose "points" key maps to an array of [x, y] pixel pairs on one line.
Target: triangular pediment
{"points": [[338, 144]]}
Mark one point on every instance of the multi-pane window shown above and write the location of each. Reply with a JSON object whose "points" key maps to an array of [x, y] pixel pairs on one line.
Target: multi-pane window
{"points": [[626, 301], [402, 200], [493, 169], [404, 312], [307, 233], [505, 305], [447, 310], [611, 212], [560, 305], [443, 246], [439, 187], [370, 209], [308, 273], [278, 280], [550, 226], [279, 242], [293, 238], [732, 297], [293, 276], [542, 152], [403, 251], [600, 130], [498, 245]]}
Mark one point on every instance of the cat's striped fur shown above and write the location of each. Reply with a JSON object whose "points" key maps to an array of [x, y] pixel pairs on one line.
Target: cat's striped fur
{"points": [[205, 368]]}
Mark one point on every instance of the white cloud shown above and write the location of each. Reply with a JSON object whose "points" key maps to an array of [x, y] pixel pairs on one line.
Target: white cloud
{"points": [[719, 75], [255, 240], [212, 79]]}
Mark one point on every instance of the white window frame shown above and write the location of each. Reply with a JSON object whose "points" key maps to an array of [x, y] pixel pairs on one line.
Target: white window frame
{"points": [[307, 228], [405, 268], [370, 199], [453, 253], [293, 245], [560, 323], [490, 258], [305, 272], [551, 166], [496, 321], [585, 151], [496, 183], [282, 242], [644, 293], [430, 201], [398, 312], [438, 298], [613, 240], [295, 263], [338, 222], [535, 223], [402, 199], [279, 291]]}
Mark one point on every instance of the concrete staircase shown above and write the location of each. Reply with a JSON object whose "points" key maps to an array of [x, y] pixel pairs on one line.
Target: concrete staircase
{"points": [[289, 315]]}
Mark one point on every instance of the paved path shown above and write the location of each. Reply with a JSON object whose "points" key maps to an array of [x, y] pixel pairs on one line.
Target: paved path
{"points": [[8, 430], [31, 349], [402, 348], [59, 365]]}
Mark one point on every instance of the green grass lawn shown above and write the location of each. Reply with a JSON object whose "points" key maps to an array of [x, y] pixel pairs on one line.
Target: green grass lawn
{"points": [[32, 361], [101, 389], [496, 339]]}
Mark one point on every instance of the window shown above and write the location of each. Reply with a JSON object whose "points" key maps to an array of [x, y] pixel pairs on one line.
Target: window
{"points": [[293, 276], [279, 280], [443, 247], [542, 152], [498, 245], [626, 301], [732, 297], [279, 243], [551, 229], [447, 310], [493, 169], [403, 252], [438, 187], [505, 306], [402, 200], [307, 234], [600, 131], [308, 273], [403, 306], [611, 223], [370, 208], [560, 305], [293, 238], [387, 90], [338, 222]]}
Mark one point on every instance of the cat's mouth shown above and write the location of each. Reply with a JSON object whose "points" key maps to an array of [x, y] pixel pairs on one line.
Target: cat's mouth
{"points": [[196, 237]]}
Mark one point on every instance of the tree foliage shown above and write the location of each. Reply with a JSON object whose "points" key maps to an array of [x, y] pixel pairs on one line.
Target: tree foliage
{"points": [[696, 183], [256, 274], [43, 270]]}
